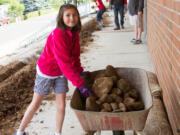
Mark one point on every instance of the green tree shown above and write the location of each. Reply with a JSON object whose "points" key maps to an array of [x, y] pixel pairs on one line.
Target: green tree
{"points": [[56, 3], [4, 2], [34, 5], [15, 9]]}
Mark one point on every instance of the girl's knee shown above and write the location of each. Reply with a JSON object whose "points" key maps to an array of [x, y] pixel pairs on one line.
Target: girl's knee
{"points": [[61, 107], [35, 105]]}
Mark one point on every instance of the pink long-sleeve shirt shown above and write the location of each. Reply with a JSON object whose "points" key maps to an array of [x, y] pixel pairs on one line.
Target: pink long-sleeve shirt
{"points": [[61, 55]]}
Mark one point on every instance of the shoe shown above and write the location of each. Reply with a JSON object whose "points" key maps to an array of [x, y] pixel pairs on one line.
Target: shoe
{"points": [[138, 41], [23, 133], [117, 28], [122, 26], [133, 40], [102, 24]]}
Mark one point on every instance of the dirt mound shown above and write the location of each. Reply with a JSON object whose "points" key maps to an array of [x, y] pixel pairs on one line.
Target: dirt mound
{"points": [[9, 69], [86, 34], [16, 93]]}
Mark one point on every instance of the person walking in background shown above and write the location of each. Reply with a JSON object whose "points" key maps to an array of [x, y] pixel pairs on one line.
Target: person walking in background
{"points": [[100, 12], [59, 60], [118, 8], [135, 8]]}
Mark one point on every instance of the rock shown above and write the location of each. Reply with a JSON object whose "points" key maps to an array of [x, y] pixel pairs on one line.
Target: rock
{"points": [[116, 98], [135, 106], [132, 93], [91, 104], [102, 85], [115, 78], [117, 91], [114, 106], [103, 98], [122, 107], [99, 75], [110, 71], [128, 101], [107, 107], [123, 85]]}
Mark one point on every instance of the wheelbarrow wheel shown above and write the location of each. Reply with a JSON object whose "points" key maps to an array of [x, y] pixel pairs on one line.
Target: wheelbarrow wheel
{"points": [[118, 133]]}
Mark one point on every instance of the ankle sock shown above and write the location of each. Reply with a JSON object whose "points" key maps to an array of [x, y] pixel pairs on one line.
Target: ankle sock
{"points": [[19, 132], [57, 133]]}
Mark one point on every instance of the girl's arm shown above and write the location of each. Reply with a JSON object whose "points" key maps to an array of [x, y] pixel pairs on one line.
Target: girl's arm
{"points": [[77, 62], [64, 59]]}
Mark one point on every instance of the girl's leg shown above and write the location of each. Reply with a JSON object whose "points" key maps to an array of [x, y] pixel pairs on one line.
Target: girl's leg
{"points": [[116, 19], [32, 108], [136, 31], [121, 12], [98, 16], [139, 32], [103, 11], [60, 113], [140, 26], [99, 19]]}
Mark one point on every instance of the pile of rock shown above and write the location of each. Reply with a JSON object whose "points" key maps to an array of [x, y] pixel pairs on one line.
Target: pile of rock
{"points": [[113, 93]]}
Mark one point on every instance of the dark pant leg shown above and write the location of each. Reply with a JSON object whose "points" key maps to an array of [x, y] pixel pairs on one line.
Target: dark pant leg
{"points": [[121, 11], [98, 16], [116, 19], [100, 13]]}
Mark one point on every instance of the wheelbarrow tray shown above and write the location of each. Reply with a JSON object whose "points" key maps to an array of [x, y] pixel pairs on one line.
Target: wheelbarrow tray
{"points": [[133, 120]]}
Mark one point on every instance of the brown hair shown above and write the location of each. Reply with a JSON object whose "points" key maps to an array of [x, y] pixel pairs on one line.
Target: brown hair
{"points": [[59, 19]]}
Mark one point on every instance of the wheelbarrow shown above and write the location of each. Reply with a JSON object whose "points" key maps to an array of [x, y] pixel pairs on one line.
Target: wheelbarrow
{"points": [[120, 121]]}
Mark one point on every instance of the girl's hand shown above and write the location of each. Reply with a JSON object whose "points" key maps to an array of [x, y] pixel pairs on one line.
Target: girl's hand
{"points": [[85, 92]]}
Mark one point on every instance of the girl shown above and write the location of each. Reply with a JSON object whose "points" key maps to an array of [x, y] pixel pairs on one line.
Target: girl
{"points": [[59, 60], [135, 8], [101, 11]]}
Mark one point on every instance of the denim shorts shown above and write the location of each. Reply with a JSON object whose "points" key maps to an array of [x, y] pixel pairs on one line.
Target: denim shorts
{"points": [[43, 85]]}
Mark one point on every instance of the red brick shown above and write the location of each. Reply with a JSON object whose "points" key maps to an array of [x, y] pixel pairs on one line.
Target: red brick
{"points": [[169, 14], [169, 4], [176, 6], [175, 64], [175, 41], [176, 18], [171, 115], [174, 99], [176, 78], [176, 53], [176, 30]]}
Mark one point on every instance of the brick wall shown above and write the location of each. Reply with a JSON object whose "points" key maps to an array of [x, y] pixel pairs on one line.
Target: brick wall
{"points": [[163, 37]]}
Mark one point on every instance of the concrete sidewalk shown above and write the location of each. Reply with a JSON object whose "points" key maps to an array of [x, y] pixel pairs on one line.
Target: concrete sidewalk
{"points": [[108, 48]]}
